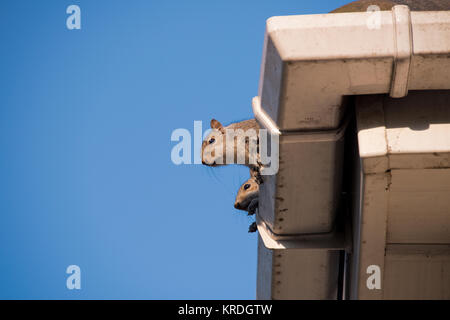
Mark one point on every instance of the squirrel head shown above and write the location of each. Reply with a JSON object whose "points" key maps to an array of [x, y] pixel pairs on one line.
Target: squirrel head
{"points": [[248, 192], [238, 140], [213, 146]]}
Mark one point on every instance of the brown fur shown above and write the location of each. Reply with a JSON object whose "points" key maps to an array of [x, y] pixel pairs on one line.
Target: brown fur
{"points": [[247, 198], [220, 131]]}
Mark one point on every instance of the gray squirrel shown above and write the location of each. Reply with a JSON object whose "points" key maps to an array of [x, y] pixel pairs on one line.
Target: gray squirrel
{"points": [[247, 198], [215, 146], [215, 149]]}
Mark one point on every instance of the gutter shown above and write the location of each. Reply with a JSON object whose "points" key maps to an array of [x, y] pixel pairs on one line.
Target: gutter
{"points": [[310, 64]]}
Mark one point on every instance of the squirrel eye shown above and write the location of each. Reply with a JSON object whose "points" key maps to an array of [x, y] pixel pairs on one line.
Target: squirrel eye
{"points": [[211, 140], [246, 186]]}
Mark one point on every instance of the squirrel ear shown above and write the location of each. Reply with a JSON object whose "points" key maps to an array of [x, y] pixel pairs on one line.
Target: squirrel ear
{"points": [[216, 125]]}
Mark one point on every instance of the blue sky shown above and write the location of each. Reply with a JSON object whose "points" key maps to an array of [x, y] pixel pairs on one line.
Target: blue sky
{"points": [[86, 117]]}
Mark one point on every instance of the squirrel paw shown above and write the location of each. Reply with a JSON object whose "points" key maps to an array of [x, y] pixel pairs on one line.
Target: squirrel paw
{"points": [[251, 209], [252, 228]]}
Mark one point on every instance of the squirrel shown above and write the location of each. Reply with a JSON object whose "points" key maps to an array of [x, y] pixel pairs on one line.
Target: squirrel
{"points": [[247, 198], [215, 149], [414, 5]]}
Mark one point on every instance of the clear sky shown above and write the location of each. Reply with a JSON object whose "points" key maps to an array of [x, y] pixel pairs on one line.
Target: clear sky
{"points": [[86, 117]]}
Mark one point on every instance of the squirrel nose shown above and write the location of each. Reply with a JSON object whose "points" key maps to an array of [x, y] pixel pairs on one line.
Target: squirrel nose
{"points": [[237, 205]]}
